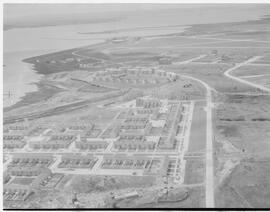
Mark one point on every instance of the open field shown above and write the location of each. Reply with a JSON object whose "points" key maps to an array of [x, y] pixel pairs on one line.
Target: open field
{"points": [[213, 75], [247, 186], [263, 80], [240, 121], [22, 181], [198, 129], [247, 130], [246, 71], [194, 173]]}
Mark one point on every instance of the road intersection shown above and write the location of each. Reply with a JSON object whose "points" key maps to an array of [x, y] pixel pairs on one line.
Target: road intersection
{"points": [[241, 80]]}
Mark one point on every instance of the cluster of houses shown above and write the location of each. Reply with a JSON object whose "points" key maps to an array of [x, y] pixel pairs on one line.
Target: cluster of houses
{"points": [[31, 160], [134, 128], [77, 161], [14, 136], [56, 141], [16, 192], [26, 171], [25, 174], [171, 127], [25, 181], [125, 162], [91, 145], [132, 132], [13, 141], [133, 141], [149, 165], [137, 125], [148, 102], [132, 75]]}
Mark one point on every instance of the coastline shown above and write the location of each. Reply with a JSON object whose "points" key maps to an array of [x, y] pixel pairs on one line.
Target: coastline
{"points": [[31, 97], [43, 92], [196, 28]]}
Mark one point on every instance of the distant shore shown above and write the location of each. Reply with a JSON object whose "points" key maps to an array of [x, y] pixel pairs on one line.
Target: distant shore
{"points": [[189, 30]]}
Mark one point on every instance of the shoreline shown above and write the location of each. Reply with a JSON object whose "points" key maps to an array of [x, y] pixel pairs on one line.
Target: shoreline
{"points": [[187, 30], [43, 92], [26, 99]]}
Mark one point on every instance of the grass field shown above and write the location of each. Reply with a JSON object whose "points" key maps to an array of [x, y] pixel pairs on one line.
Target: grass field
{"points": [[213, 75], [251, 70], [22, 180], [247, 186], [197, 140], [264, 81], [195, 169]]}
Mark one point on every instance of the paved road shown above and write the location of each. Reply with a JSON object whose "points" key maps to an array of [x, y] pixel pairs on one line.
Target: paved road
{"points": [[209, 181], [252, 76], [246, 94], [190, 60], [228, 74], [259, 64]]}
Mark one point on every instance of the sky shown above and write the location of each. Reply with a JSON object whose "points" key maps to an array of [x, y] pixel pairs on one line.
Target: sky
{"points": [[47, 14], [19, 10]]}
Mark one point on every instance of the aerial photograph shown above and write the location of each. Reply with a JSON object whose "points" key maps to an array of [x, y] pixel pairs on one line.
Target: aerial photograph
{"points": [[136, 105]]}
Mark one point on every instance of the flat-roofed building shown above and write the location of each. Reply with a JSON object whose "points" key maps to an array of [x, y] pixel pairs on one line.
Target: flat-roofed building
{"points": [[14, 192], [133, 145], [21, 187], [78, 128], [147, 102], [20, 128], [77, 161], [27, 171], [146, 111], [31, 159], [13, 141], [57, 141], [84, 144], [125, 162], [136, 119], [149, 165], [136, 127], [134, 136]]}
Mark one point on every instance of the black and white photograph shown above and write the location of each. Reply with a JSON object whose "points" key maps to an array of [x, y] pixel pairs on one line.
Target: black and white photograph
{"points": [[135, 105]]}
